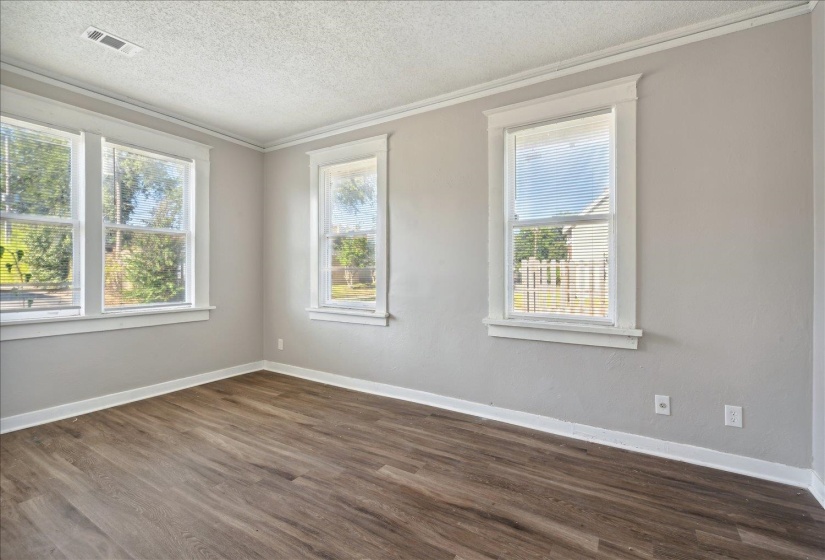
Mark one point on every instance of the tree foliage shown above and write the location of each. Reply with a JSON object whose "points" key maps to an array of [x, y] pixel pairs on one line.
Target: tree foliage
{"points": [[35, 177], [39, 172], [543, 243], [354, 193], [151, 264], [354, 254], [50, 254], [155, 266]]}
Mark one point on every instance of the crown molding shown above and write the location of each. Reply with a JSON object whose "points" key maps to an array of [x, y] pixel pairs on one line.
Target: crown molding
{"points": [[762, 15], [62, 82]]}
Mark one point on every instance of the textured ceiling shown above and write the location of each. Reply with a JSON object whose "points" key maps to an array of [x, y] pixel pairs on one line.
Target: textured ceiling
{"points": [[268, 70]]}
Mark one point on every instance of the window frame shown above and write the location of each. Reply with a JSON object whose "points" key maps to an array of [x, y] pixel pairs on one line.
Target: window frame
{"points": [[186, 231], [320, 308], [513, 222], [619, 329], [94, 128], [74, 220]]}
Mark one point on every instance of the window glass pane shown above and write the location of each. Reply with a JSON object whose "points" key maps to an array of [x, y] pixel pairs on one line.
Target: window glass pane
{"points": [[352, 196], [562, 270], [562, 168], [36, 266], [143, 268], [35, 171], [143, 190], [351, 269]]}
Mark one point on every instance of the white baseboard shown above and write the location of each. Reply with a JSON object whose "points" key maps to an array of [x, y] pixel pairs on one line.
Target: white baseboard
{"points": [[60, 412], [817, 488], [749, 466]]}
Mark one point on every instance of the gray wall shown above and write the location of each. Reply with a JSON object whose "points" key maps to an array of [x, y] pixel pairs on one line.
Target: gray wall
{"points": [[39, 373], [724, 258], [818, 44], [726, 285]]}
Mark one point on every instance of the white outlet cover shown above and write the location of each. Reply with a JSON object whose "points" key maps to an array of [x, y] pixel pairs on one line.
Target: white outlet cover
{"points": [[280, 344], [733, 416], [663, 405]]}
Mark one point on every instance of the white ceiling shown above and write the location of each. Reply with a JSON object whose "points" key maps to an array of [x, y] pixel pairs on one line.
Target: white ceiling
{"points": [[264, 71]]}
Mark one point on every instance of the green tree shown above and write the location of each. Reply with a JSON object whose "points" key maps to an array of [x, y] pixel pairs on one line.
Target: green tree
{"points": [[36, 172], [154, 269], [354, 193], [148, 267], [354, 254], [50, 254], [543, 243], [35, 176]]}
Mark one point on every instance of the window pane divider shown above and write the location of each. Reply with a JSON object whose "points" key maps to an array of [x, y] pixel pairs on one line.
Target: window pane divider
{"points": [[146, 306], [41, 311], [561, 220], [142, 229], [350, 234], [38, 218]]}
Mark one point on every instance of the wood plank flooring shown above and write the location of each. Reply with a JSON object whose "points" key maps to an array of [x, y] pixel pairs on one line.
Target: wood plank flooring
{"points": [[268, 466]]}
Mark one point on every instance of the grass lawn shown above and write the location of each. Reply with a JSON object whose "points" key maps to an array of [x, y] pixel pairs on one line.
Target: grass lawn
{"points": [[358, 292], [552, 302]]}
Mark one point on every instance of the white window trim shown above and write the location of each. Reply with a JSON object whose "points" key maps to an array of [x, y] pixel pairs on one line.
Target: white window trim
{"points": [[620, 96], [352, 151], [94, 127]]}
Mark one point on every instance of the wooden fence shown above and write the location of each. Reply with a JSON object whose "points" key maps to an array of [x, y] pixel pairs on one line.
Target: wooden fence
{"points": [[578, 287]]}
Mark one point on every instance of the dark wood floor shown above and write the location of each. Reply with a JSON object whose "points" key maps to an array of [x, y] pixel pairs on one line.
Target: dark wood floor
{"points": [[267, 466]]}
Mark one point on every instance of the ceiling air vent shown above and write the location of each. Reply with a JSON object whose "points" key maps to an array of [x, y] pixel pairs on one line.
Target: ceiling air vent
{"points": [[99, 36]]}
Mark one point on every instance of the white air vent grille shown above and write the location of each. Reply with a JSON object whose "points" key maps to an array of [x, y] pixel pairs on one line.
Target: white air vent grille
{"points": [[120, 45]]}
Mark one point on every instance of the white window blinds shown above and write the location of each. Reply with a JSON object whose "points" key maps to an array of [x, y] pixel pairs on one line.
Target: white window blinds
{"points": [[350, 198], [148, 242], [560, 223], [38, 220]]}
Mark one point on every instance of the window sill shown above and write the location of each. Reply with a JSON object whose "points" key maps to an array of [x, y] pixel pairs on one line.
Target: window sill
{"points": [[567, 333], [342, 315], [56, 326]]}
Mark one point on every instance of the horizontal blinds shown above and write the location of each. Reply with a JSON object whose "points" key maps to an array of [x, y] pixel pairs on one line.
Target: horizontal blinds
{"points": [[37, 233], [146, 228], [143, 190], [562, 169], [562, 178], [38, 266], [35, 171], [351, 209], [351, 191]]}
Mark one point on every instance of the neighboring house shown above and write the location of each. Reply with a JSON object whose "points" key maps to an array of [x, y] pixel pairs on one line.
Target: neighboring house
{"points": [[589, 259]]}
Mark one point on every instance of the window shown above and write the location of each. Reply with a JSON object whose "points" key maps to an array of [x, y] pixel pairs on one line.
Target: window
{"points": [[562, 219], [348, 191], [104, 223], [39, 254], [146, 219]]}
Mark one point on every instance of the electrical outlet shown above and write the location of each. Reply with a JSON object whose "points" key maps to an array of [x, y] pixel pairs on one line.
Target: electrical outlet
{"points": [[663, 405], [733, 416], [280, 344]]}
